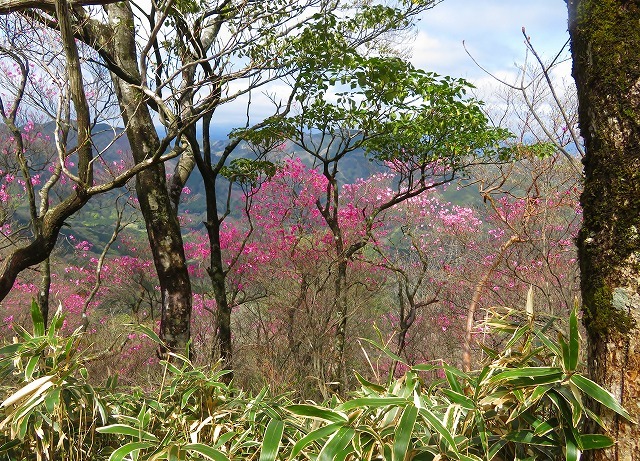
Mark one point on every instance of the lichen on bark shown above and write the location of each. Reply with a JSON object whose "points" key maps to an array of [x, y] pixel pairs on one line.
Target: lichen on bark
{"points": [[605, 44], [606, 69]]}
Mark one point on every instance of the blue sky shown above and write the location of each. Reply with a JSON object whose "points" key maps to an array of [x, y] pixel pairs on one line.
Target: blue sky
{"points": [[492, 31]]}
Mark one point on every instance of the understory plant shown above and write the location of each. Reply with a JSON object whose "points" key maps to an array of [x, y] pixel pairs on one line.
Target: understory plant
{"points": [[526, 402], [49, 408]]}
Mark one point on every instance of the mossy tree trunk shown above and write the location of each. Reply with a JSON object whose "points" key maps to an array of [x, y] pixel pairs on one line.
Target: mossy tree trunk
{"points": [[605, 43], [115, 41], [161, 218]]}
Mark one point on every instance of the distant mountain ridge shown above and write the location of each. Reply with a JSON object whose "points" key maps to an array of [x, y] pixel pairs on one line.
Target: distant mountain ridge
{"points": [[94, 223]]}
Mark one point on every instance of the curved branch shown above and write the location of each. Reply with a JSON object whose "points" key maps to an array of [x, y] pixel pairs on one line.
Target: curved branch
{"points": [[12, 6]]}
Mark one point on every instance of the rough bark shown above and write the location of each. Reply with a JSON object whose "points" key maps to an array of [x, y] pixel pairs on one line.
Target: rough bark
{"points": [[160, 216], [42, 245], [216, 271], [605, 44], [45, 288], [217, 274], [10, 6], [338, 370], [115, 42]]}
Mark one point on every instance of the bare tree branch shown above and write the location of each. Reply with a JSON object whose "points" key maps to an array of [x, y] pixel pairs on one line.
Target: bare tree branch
{"points": [[12, 6]]}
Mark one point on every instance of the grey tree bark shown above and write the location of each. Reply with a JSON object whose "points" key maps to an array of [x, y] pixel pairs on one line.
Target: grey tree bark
{"points": [[161, 218]]}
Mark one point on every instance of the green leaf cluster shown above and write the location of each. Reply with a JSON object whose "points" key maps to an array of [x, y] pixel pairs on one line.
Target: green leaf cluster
{"points": [[248, 171], [49, 405], [392, 110]]}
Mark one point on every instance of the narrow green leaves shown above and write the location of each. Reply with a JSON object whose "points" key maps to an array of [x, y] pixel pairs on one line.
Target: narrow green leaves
{"points": [[372, 402], [336, 444], [37, 318], [404, 431], [519, 401], [123, 429], [314, 436], [574, 340], [595, 441], [439, 427], [599, 394], [271, 440], [206, 451], [317, 412], [130, 448]]}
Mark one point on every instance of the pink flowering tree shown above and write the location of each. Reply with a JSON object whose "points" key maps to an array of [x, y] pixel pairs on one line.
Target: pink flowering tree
{"points": [[534, 214], [45, 218], [467, 259], [450, 261], [285, 270], [52, 99], [427, 244], [420, 126]]}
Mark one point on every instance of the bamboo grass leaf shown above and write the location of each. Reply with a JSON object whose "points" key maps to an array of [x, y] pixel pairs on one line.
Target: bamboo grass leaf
{"points": [[574, 340], [600, 394], [385, 350], [372, 402], [313, 436], [572, 452], [128, 449], [316, 412], [404, 430], [37, 318], [336, 444], [595, 441], [271, 440], [206, 451], [123, 429], [439, 427], [368, 384]]}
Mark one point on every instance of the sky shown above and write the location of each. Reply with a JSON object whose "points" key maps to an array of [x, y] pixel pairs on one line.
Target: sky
{"points": [[492, 32]]}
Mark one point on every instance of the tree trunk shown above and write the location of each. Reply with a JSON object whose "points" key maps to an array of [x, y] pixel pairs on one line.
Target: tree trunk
{"points": [[216, 270], [218, 278], [338, 375], [160, 216], [45, 288], [42, 245], [605, 44]]}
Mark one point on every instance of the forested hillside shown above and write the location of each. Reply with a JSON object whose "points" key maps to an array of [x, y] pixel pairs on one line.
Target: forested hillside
{"points": [[372, 263]]}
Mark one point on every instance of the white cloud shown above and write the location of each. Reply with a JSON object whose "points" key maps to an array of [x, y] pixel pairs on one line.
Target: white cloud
{"points": [[491, 30]]}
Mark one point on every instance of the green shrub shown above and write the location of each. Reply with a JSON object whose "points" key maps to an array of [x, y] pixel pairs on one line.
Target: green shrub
{"points": [[51, 412], [526, 402]]}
